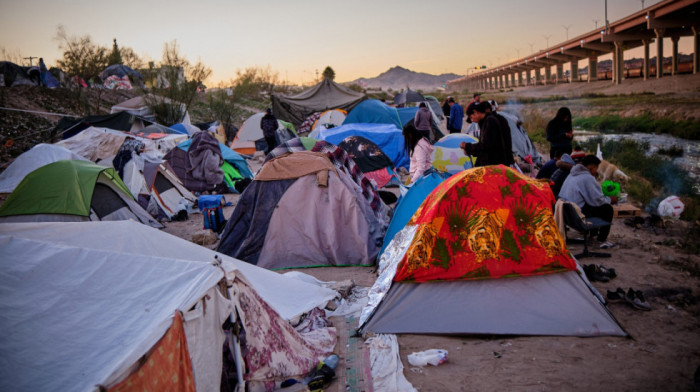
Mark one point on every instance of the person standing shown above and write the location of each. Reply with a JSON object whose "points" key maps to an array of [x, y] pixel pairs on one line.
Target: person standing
{"points": [[456, 116], [446, 110], [560, 134], [581, 188], [495, 145], [420, 150], [423, 119], [269, 125]]}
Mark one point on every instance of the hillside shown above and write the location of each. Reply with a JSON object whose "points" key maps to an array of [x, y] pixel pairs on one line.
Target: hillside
{"points": [[399, 78]]}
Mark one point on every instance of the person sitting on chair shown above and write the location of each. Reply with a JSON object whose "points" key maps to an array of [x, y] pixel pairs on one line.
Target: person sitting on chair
{"points": [[581, 188]]}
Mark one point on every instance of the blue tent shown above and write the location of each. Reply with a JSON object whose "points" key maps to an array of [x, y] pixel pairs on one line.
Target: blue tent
{"points": [[230, 156], [409, 203], [119, 70], [373, 111], [179, 128], [386, 136]]}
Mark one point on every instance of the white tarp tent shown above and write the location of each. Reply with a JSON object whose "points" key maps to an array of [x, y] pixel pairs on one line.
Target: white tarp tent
{"points": [[80, 303], [40, 155]]}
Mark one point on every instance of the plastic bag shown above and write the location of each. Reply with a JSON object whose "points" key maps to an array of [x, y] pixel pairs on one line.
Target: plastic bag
{"points": [[422, 358], [671, 206]]}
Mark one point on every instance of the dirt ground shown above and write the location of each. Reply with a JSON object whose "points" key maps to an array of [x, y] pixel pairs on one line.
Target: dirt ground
{"points": [[663, 352]]}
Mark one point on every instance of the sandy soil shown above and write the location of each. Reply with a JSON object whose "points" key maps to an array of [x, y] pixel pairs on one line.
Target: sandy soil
{"points": [[663, 352]]}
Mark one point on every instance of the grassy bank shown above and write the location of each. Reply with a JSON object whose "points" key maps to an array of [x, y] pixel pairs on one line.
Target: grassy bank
{"points": [[685, 129]]}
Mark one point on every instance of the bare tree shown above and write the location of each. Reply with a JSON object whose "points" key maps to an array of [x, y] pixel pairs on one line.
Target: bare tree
{"points": [[178, 86], [130, 58], [11, 56]]}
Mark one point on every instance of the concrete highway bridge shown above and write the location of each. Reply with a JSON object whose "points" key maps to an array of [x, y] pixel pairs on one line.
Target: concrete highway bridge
{"points": [[665, 21]]}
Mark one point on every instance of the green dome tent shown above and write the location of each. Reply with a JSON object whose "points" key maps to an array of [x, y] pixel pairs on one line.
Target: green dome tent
{"points": [[71, 190]]}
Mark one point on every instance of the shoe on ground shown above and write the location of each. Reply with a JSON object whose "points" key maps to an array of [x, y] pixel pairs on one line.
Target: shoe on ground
{"points": [[609, 272], [617, 295], [607, 245], [636, 299], [594, 274]]}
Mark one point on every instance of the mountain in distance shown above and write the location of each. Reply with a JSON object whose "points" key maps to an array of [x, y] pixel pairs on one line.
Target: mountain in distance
{"points": [[399, 78]]}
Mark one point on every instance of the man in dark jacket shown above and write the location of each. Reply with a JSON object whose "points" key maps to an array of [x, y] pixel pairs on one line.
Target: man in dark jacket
{"points": [[269, 125], [494, 146]]}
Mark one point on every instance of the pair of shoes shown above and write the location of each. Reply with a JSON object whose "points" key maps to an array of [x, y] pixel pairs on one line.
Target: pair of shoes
{"points": [[636, 299], [607, 245], [617, 295], [595, 274]]}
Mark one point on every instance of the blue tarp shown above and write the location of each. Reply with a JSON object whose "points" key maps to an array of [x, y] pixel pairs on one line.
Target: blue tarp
{"points": [[373, 111], [230, 156], [119, 70], [409, 203], [406, 114], [179, 128], [386, 136]]}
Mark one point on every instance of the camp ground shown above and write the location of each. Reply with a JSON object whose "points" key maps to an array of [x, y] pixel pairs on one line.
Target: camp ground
{"points": [[108, 305]]}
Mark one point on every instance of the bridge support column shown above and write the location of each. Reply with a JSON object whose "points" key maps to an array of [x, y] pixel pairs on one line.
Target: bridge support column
{"points": [[501, 81], [548, 74], [512, 80], [560, 73], [592, 68], [674, 55], [574, 71], [537, 76], [529, 77], [659, 53], [696, 50], [645, 66], [520, 78], [618, 63]]}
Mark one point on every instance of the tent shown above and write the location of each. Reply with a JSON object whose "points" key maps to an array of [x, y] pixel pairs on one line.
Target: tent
{"points": [[435, 107], [373, 111], [141, 107], [300, 211], [483, 255], [386, 136], [448, 156], [329, 119], [409, 202], [72, 191], [408, 96], [14, 75], [522, 145], [234, 166], [40, 155], [121, 121], [250, 133], [102, 295], [157, 188], [370, 159], [119, 70], [323, 96], [342, 161]]}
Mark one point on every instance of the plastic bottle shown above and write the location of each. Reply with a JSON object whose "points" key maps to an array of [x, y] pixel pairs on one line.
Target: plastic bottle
{"points": [[433, 357]]}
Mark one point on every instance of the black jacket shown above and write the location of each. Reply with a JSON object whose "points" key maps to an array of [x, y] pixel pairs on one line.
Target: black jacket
{"points": [[495, 144], [269, 125]]}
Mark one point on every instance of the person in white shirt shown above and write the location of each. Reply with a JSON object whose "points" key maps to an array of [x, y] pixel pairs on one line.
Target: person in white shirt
{"points": [[420, 150]]}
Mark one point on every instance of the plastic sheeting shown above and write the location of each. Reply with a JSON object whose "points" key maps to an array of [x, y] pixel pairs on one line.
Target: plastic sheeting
{"points": [[386, 366], [40, 155], [388, 137]]}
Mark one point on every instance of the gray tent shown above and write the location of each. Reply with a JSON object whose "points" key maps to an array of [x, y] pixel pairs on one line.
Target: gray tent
{"points": [[324, 96], [559, 304], [522, 145]]}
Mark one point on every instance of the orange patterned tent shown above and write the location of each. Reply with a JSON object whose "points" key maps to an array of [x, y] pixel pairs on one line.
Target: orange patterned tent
{"points": [[482, 223]]}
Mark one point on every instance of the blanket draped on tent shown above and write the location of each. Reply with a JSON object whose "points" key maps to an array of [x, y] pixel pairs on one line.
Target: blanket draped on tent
{"points": [[203, 163]]}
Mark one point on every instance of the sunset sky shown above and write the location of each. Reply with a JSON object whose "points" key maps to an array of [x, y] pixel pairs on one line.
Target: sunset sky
{"points": [[297, 38]]}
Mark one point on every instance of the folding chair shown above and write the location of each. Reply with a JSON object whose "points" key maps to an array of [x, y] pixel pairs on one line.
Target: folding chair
{"points": [[574, 221]]}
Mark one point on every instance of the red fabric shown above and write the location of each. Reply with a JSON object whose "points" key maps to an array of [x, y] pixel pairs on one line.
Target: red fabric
{"points": [[167, 367], [482, 223]]}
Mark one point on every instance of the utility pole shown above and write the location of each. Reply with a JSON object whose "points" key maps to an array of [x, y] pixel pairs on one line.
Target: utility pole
{"points": [[531, 45], [607, 22], [517, 50], [30, 58], [567, 27], [547, 37], [596, 23], [642, 3]]}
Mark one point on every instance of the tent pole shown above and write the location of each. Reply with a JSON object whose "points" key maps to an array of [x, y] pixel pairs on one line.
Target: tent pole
{"points": [[234, 345]]}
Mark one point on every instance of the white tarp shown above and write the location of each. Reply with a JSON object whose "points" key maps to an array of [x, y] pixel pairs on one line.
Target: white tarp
{"points": [[74, 318], [81, 302], [289, 297], [41, 155]]}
